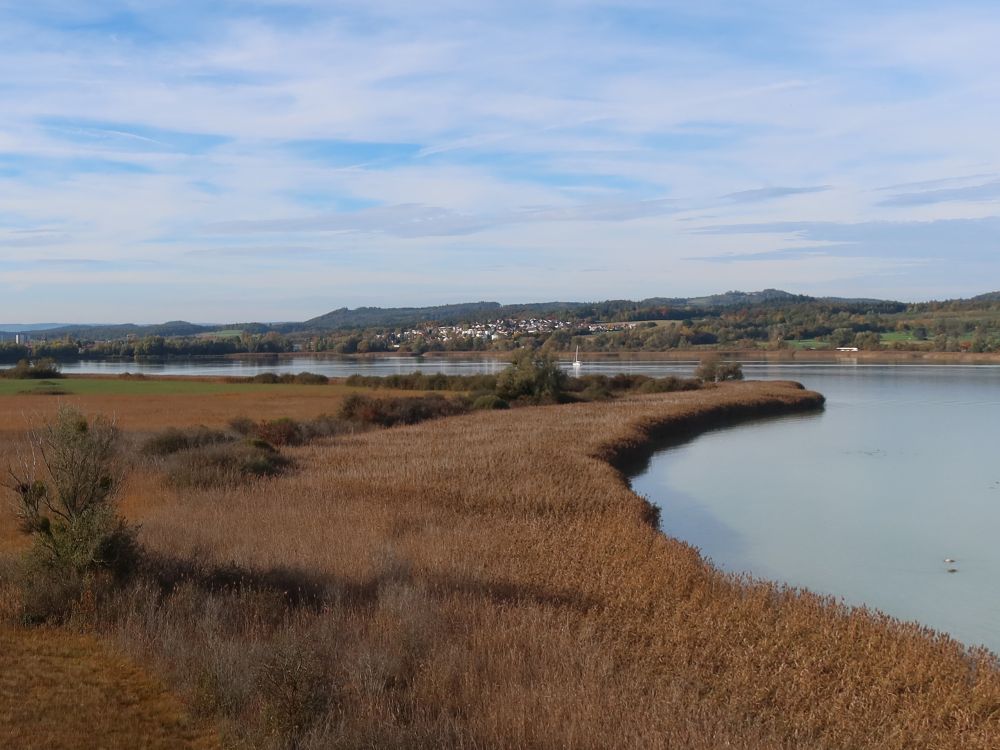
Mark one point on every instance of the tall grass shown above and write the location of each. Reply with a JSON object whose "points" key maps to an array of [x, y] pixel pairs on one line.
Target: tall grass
{"points": [[490, 580]]}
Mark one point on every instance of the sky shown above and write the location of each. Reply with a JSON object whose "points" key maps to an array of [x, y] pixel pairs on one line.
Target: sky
{"points": [[275, 159]]}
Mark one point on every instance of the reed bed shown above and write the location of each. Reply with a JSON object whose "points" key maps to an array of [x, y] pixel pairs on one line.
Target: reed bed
{"points": [[490, 580], [101, 702]]}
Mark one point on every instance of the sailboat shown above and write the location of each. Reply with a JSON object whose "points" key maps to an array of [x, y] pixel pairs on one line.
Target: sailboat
{"points": [[576, 361]]}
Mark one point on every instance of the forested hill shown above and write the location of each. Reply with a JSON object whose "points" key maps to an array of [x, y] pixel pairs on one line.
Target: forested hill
{"points": [[652, 308], [608, 310], [365, 317], [121, 331]]}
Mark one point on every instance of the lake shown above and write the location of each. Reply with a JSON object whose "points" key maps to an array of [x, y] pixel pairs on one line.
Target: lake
{"points": [[863, 501], [341, 367]]}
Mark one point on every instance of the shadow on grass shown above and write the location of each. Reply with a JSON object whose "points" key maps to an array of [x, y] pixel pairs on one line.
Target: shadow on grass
{"points": [[304, 589]]}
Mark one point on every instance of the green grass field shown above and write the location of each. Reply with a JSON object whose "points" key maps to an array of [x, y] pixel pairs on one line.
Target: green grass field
{"points": [[226, 333], [808, 344], [113, 386], [671, 323], [893, 336]]}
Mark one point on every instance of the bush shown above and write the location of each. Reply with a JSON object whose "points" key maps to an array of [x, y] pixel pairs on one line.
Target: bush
{"points": [[226, 465], [489, 401], [173, 440], [533, 378], [311, 378], [286, 431], [271, 378], [596, 392], [669, 384], [282, 431], [388, 412], [601, 387], [41, 369], [730, 371], [67, 504], [418, 381], [713, 370], [242, 425], [627, 382]]}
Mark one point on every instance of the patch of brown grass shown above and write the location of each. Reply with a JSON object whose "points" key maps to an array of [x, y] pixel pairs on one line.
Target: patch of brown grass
{"points": [[151, 412], [63, 690], [491, 581]]}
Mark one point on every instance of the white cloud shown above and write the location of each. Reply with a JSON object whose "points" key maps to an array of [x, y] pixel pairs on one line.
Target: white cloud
{"points": [[558, 134]]}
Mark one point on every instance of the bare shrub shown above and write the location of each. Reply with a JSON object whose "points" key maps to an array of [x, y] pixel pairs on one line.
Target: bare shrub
{"points": [[489, 401], [669, 384], [294, 686], [225, 465], [714, 370], [418, 381], [532, 378], [45, 368], [242, 425], [173, 440], [388, 412], [284, 431], [65, 487], [287, 431]]}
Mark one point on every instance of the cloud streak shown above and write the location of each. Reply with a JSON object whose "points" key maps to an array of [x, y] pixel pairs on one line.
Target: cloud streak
{"points": [[416, 220], [456, 141]]}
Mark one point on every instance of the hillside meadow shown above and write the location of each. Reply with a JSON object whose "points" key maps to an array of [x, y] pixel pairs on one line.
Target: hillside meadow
{"points": [[490, 580]]}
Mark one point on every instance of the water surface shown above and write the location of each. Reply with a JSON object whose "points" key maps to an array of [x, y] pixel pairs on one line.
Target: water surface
{"points": [[863, 501]]}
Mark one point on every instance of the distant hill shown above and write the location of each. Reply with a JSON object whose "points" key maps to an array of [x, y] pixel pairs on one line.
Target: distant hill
{"points": [[120, 331], [372, 317], [607, 310], [680, 308], [28, 327], [988, 297], [746, 299]]}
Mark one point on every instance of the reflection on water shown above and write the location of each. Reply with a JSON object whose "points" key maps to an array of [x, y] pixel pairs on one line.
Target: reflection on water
{"points": [[863, 501], [334, 367]]}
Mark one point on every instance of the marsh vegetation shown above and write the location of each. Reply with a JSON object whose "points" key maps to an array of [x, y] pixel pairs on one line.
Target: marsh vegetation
{"points": [[489, 580]]}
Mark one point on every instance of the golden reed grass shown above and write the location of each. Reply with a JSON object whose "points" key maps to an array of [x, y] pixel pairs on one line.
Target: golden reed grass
{"points": [[64, 691], [491, 581]]}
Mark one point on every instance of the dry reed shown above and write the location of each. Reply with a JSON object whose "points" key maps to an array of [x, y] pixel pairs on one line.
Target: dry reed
{"points": [[490, 581]]}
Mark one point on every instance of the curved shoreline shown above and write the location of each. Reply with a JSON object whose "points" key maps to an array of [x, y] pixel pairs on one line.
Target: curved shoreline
{"points": [[549, 609], [627, 454], [622, 453]]}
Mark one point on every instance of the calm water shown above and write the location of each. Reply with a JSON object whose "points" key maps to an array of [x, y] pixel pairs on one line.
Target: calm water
{"points": [[334, 367], [341, 367], [863, 501]]}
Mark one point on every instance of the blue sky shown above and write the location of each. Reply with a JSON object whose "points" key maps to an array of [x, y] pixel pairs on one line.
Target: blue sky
{"points": [[275, 159]]}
